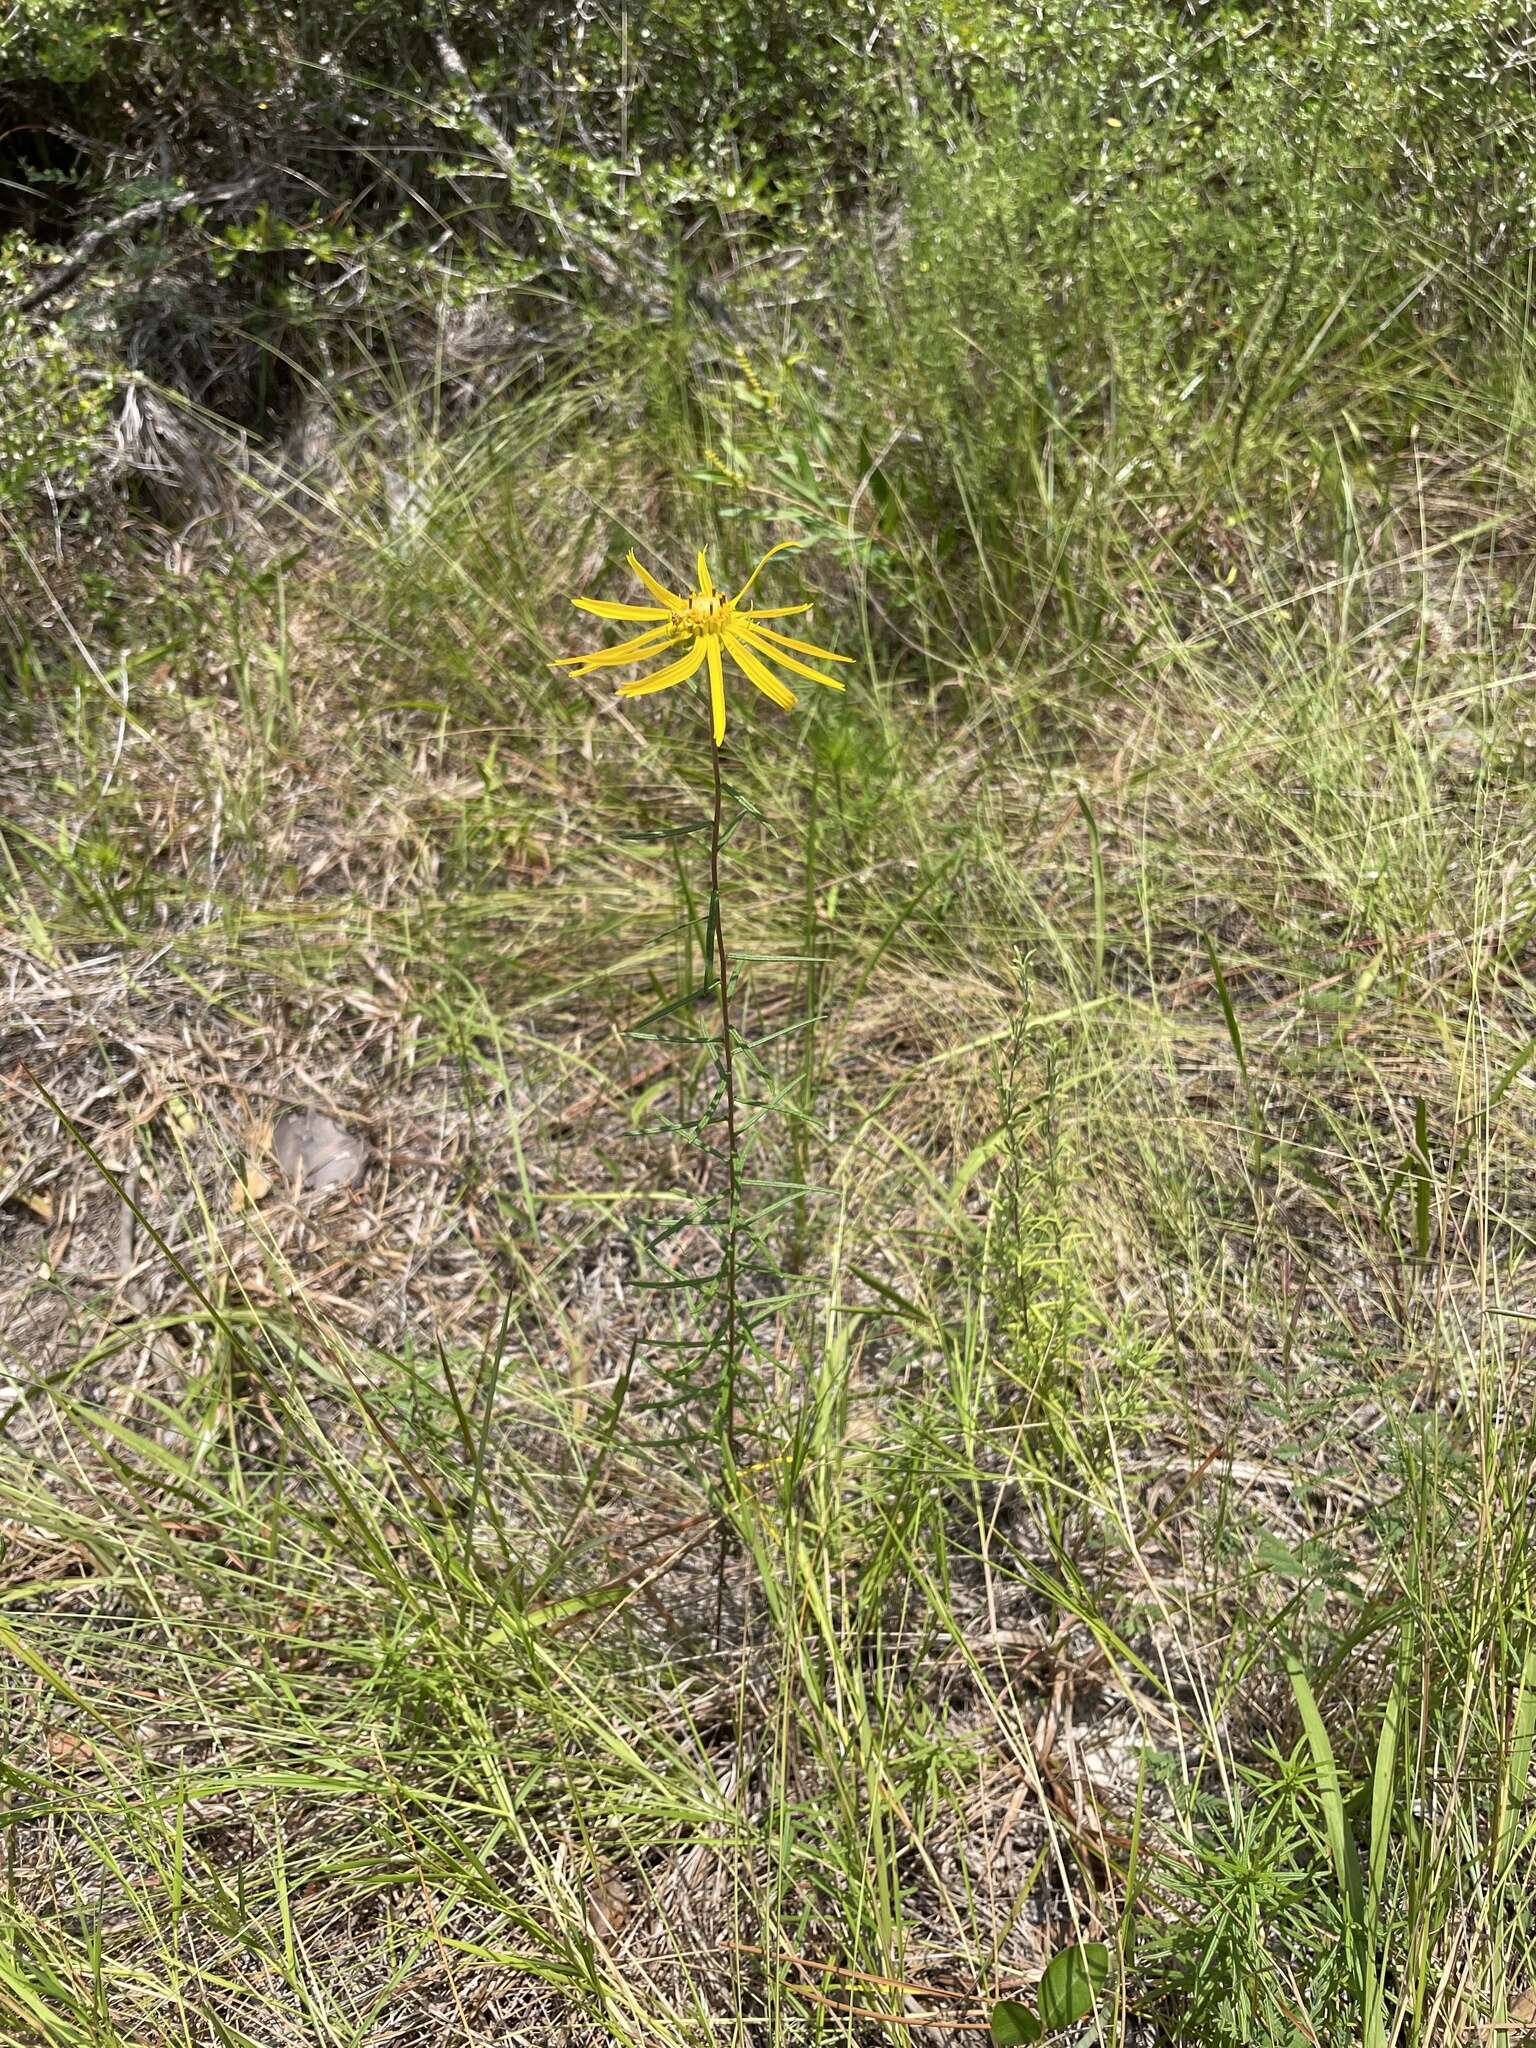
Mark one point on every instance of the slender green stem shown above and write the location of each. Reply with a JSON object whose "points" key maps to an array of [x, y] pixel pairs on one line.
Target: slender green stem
{"points": [[733, 1163], [733, 1175]]}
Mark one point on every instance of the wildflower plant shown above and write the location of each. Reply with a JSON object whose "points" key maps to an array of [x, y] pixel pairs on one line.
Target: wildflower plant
{"points": [[688, 633], [706, 625]]}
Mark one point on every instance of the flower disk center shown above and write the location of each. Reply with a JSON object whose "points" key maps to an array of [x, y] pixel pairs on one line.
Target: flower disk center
{"points": [[710, 614]]}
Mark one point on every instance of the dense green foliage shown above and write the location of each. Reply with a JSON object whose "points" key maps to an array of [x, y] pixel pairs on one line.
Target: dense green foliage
{"points": [[1166, 214]]}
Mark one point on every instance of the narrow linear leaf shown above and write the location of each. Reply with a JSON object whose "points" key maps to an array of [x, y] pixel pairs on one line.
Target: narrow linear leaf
{"points": [[1421, 1177], [1235, 1034], [1341, 1843]]}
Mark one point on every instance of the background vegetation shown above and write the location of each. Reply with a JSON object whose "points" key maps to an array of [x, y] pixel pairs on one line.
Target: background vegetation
{"points": [[1136, 966]]}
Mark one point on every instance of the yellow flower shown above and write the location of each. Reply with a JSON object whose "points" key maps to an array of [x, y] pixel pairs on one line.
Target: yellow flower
{"points": [[707, 625]]}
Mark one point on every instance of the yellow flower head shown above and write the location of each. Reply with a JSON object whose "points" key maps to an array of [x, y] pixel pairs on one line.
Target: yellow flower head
{"points": [[706, 625]]}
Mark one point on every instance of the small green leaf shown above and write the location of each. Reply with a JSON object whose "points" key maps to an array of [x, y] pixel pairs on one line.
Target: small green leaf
{"points": [[879, 486], [1072, 1983], [1012, 2023]]}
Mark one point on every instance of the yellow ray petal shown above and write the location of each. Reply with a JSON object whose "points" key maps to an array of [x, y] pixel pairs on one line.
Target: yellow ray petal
{"points": [[796, 668], [777, 611], [775, 691], [675, 672], [606, 608], [640, 648], [706, 588], [795, 646], [657, 590], [766, 559], [716, 684]]}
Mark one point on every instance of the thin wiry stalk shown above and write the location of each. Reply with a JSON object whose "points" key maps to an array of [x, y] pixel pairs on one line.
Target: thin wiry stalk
{"points": [[732, 1167]]}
